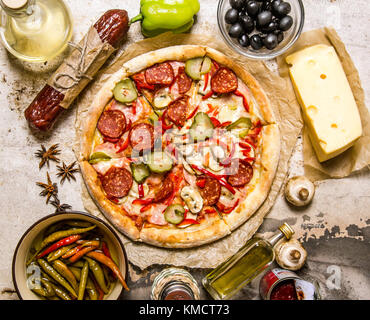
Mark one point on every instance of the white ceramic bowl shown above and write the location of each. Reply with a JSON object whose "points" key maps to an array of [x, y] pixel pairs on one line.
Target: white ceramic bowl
{"points": [[290, 36], [24, 245]]}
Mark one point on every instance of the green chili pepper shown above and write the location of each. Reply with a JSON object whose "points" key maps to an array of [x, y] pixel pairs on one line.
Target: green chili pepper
{"points": [[58, 253], [56, 276], [159, 16], [83, 281], [91, 289], [98, 274], [46, 290], [62, 268], [61, 293]]}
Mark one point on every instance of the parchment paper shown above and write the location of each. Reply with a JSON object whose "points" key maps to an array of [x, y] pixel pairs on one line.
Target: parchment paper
{"points": [[281, 94], [357, 157]]}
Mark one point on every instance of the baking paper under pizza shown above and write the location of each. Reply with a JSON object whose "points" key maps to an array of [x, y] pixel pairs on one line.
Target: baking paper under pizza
{"points": [[179, 147]]}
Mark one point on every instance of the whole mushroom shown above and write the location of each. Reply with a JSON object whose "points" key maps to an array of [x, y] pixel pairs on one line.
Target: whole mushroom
{"points": [[299, 191], [291, 255]]}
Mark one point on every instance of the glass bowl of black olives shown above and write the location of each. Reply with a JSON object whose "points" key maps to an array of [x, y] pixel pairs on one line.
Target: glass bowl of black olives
{"points": [[260, 29]]}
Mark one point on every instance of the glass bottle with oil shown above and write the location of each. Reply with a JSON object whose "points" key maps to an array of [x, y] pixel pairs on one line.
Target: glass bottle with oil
{"points": [[35, 30], [240, 269]]}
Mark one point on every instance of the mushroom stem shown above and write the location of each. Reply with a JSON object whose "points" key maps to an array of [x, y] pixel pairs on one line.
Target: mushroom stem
{"points": [[303, 194], [295, 255]]}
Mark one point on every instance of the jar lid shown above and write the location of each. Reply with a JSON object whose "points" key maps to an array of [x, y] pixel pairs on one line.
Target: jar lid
{"points": [[14, 4], [287, 230]]}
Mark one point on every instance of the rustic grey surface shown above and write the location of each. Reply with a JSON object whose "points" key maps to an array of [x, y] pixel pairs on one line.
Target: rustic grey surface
{"points": [[335, 228]]}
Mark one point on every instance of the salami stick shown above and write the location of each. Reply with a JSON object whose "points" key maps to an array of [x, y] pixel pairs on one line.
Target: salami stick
{"points": [[78, 69]]}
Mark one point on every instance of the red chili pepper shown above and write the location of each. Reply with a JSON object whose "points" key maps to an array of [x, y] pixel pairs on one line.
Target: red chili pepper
{"points": [[201, 183], [245, 101], [216, 64], [206, 79], [208, 95], [218, 178], [248, 140], [222, 208], [61, 243], [210, 210], [143, 201], [245, 146], [141, 190], [105, 249], [146, 207], [162, 120], [193, 113], [187, 222], [81, 253], [225, 124], [215, 122], [133, 105], [123, 146]]}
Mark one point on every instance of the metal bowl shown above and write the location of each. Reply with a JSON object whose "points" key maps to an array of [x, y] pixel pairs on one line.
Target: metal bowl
{"points": [[24, 245], [290, 36]]}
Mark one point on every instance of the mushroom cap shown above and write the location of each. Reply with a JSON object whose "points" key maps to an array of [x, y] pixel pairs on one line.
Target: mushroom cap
{"points": [[299, 191], [291, 255]]}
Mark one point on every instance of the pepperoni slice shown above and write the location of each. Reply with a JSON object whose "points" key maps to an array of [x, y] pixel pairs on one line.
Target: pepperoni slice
{"points": [[177, 110], [211, 192], [241, 173], [142, 137], [224, 81], [165, 191], [112, 124], [161, 74], [183, 81], [117, 182]]}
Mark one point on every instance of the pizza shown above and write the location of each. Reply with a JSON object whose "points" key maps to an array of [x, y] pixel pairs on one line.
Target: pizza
{"points": [[179, 147]]}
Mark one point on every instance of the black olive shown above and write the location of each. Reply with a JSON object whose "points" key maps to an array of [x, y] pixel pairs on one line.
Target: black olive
{"points": [[286, 23], [266, 5], [264, 18], [282, 9], [256, 42], [244, 40], [270, 41], [231, 16], [247, 23], [252, 8], [280, 35], [271, 27], [235, 30], [237, 4], [274, 5]]}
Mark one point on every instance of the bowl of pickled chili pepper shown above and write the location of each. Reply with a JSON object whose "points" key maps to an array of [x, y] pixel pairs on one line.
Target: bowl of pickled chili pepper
{"points": [[70, 256]]}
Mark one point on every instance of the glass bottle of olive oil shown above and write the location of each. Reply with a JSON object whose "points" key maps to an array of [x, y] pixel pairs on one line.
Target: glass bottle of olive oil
{"points": [[35, 30], [240, 269]]}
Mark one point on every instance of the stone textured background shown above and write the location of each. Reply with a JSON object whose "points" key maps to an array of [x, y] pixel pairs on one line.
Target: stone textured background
{"points": [[335, 228]]}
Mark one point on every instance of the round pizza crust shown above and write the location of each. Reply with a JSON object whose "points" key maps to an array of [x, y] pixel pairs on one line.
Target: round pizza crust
{"points": [[213, 228]]}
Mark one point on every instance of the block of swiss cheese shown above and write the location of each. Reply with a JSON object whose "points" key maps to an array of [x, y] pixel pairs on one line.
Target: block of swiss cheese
{"points": [[326, 98]]}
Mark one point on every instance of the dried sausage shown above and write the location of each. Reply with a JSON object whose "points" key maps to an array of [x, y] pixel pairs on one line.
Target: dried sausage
{"points": [[211, 192], [142, 137], [241, 173], [224, 81], [160, 74], [46, 107], [177, 110], [112, 123], [183, 81], [165, 191], [117, 182]]}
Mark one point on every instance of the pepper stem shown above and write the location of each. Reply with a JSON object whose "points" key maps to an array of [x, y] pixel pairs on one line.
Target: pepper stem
{"points": [[139, 17]]}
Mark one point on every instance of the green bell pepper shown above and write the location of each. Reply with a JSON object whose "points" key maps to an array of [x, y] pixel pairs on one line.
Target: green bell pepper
{"points": [[159, 16]]}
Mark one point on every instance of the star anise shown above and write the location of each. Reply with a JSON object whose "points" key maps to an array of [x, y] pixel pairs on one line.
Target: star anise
{"points": [[50, 188], [47, 155], [67, 172], [60, 207]]}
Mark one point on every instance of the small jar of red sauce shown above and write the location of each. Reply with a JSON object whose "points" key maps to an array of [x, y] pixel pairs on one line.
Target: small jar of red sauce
{"points": [[280, 284], [175, 284]]}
